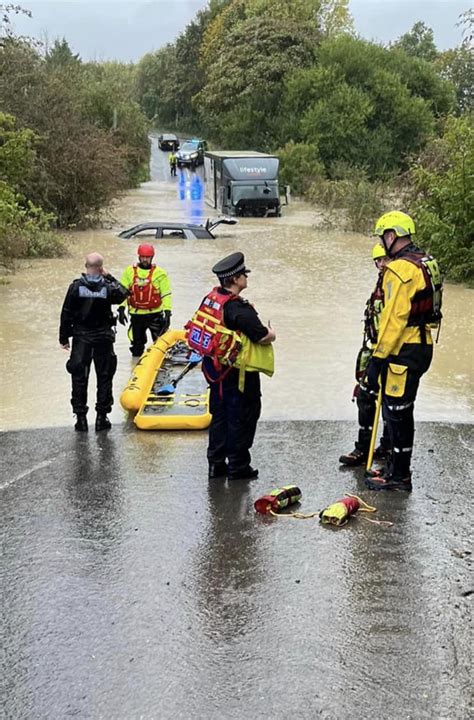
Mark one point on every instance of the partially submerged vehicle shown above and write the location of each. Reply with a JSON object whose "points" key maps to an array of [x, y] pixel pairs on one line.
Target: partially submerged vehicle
{"points": [[189, 231], [241, 182]]}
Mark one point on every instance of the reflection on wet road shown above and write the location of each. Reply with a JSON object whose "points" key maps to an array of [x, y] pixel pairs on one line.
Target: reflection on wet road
{"points": [[133, 588]]}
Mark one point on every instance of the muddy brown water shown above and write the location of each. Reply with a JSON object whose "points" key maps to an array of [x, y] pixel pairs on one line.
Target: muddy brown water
{"points": [[310, 283]]}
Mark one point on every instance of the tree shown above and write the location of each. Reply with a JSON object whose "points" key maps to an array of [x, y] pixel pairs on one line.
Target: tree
{"points": [[17, 152], [334, 18], [419, 42], [363, 104], [61, 55], [457, 66], [241, 98], [441, 198]]}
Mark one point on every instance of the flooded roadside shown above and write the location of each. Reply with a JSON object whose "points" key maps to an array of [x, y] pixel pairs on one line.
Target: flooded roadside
{"points": [[311, 284]]}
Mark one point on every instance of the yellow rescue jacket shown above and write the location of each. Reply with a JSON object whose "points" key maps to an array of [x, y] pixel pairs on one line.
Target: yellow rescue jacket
{"points": [[402, 280], [161, 282]]}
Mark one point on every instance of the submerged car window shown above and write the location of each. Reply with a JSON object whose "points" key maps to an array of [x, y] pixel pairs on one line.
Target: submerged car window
{"points": [[171, 232]]}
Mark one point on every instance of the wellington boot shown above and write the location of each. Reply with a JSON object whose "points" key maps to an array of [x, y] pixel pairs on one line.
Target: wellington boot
{"points": [[81, 423], [102, 422]]}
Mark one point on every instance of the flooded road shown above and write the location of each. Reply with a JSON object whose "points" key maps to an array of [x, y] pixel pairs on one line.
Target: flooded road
{"points": [[311, 284], [134, 589]]}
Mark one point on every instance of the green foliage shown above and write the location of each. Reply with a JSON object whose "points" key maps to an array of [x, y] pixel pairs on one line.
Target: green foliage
{"points": [[364, 104], [441, 198], [90, 135], [17, 153], [457, 66], [60, 55], [334, 18], [25, 230], [299, 166], [243, 88], [419, 42], [356, 200], [157, 85]]}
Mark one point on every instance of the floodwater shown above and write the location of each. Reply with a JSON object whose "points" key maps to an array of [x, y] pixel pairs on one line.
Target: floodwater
{"points": [[310, 283]]}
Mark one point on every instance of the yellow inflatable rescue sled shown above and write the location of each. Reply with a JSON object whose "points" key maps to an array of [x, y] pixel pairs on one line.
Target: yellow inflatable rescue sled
{"points": [[187, 408]]}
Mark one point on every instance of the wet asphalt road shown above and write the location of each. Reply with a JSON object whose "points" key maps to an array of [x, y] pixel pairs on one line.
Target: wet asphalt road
{"points": [[134, 588]]}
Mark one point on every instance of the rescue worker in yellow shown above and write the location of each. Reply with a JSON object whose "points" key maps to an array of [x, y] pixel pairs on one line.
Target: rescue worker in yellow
{"points": [[149, 302], [366, 402], [236, 348], [173, 161], [412, 291]]}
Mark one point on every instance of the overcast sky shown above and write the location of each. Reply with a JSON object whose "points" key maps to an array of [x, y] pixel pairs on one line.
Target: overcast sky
{"points": [[127, 29]]}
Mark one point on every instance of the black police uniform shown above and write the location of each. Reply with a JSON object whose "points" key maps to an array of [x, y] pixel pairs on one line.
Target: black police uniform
{"points": [[234, 413], [87, 317]]}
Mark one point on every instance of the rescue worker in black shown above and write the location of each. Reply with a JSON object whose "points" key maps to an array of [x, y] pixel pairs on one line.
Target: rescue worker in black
{"points": [[365, 401], [87, 317], [412, 289], [235, 394]]}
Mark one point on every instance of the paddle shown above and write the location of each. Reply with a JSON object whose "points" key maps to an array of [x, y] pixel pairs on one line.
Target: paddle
{"points": [[169, 389], [374, 430]]}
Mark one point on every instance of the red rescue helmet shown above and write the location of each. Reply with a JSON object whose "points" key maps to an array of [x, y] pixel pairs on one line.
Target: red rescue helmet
{"points": [[145, 250]]}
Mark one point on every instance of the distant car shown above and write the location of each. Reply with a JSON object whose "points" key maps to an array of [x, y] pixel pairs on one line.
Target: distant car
{"points": [[191, 153], [168, 142], [189, 231]]}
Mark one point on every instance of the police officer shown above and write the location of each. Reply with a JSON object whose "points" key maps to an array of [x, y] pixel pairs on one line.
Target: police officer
{"points": [[412, 304], [149, 301], [365, 401], [87, 317], [234, 380]]}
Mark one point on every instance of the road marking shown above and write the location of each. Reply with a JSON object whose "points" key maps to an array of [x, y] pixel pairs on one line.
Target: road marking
{"points": [[22, 475]]}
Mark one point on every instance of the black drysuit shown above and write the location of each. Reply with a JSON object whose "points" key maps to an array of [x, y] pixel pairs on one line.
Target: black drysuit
{"points": [[87, 317]]}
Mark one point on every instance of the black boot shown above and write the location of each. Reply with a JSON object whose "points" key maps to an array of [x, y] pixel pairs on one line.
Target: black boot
{"points": [[248, 473], [81, 423], [356, 457], [102, 422], [217, 470]]}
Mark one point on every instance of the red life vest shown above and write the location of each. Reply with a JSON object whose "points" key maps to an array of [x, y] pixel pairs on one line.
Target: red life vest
{"points": [[143, 294], [207, 334], [426, 303]]}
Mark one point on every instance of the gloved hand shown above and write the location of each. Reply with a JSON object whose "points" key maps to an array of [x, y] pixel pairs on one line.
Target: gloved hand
{"points": [[167, 320], [372, 374], [122, 316]]}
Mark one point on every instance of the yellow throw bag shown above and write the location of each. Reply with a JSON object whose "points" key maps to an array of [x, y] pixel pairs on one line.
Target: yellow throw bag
{"points": [[254, 358], [396, 380]]}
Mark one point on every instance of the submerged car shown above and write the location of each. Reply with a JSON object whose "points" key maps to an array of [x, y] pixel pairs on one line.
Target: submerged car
{"points": [[190, 231], [169, 141], [191, 153]]}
